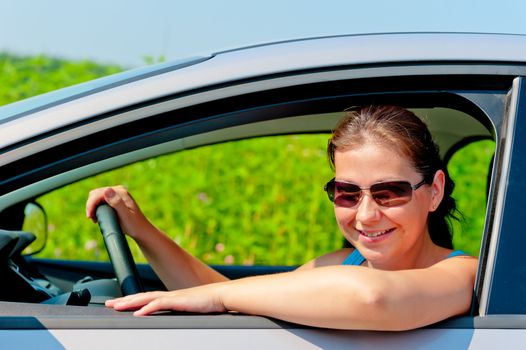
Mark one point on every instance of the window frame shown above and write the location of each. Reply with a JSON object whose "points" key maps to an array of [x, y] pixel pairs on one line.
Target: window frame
{"points": [[503, 294]]}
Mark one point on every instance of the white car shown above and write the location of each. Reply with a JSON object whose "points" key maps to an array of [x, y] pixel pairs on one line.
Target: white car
{"points": [[468, 87]]}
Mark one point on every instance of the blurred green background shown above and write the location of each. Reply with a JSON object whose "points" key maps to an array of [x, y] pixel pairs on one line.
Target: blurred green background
{"points": [[257, 201]]}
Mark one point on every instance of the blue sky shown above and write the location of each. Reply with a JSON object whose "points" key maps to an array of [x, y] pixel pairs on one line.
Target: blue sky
{"points": [[124, 31]]}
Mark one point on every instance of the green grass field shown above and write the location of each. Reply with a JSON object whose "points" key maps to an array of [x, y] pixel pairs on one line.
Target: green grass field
{"points": [[230, 203]]}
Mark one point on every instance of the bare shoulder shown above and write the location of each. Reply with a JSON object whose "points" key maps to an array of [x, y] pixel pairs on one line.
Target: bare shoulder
{"points": [[460, 260], [442, 274], [332, 258], [461, 266]]}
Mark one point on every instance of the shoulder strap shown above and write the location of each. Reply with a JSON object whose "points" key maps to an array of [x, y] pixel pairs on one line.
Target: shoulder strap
{"points": [[355, 258], [455, 253]]}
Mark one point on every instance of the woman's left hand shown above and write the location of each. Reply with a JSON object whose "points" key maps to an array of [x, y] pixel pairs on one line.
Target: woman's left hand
{"points": [[203, 299]]}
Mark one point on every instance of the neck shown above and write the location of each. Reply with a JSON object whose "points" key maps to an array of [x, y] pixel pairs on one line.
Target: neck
{"points": [[423, 253]]}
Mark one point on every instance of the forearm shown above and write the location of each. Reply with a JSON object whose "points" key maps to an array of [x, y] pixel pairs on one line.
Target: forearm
{"points": [[332, 297], [351, 297], [175, 267]]}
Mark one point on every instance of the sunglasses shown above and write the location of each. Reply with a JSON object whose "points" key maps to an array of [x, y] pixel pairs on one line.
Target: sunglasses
{"points": [[386, 194]]}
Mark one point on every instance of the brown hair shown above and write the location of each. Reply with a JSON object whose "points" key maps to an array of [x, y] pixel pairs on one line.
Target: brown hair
{"points": [[400, 129]]}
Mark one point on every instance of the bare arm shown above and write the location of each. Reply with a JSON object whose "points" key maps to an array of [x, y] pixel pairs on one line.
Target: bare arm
{"points": [[345, 297], [175, 267]]}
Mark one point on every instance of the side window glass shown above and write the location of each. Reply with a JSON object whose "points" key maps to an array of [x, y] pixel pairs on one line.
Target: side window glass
{"points": [[251, 202], [470, 169]]}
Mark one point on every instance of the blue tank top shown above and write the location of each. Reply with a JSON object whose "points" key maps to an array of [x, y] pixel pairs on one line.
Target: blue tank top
{"points": [[356, 258]]}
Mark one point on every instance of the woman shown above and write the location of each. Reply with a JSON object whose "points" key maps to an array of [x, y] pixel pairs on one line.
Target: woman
{"points": [[392, 197]]}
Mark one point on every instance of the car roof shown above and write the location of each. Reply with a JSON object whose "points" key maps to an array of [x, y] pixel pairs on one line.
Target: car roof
{"points": [[30, 118]]}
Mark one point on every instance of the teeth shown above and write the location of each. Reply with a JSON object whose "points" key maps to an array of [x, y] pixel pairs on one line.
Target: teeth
{"points": [[374, 234]]}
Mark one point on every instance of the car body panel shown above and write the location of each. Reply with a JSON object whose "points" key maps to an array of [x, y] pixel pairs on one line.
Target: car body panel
{"points": [[260, 338], [505, 295]]}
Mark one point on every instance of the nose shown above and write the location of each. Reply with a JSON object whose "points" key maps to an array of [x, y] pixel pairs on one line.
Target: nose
{"points": [[367, 209]]}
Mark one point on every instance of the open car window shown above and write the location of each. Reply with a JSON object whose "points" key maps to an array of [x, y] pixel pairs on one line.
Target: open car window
{"points": [[258, 201]]}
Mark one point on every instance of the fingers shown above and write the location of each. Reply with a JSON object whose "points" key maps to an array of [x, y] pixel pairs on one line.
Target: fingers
{"points": [[94, 199], [131, 218], [144, 303], [199, 299], [133, 302], [115, 196], [159, 304]]}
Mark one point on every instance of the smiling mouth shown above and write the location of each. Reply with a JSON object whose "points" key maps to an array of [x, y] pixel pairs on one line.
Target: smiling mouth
{"points": [[375, 234]]}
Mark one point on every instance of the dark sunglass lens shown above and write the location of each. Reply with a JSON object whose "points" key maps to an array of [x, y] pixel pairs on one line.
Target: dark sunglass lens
{"points": [[390, 194], [346, 195]]}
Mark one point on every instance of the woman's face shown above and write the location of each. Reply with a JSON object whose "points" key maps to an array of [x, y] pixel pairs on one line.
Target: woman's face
{"points": [[388, 237]]}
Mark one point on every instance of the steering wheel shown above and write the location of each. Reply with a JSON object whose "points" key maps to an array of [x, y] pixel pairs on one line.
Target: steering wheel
{"points": [[118, 250]]}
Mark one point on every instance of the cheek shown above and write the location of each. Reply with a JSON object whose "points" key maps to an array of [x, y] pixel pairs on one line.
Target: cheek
{"points": [[401, 216], [412, 218], [344, 216]]}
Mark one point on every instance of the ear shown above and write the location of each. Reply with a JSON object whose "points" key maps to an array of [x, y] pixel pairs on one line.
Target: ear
{"points": [[437, 190]]}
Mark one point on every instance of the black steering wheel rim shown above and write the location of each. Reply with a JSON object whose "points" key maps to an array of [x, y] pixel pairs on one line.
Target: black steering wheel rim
{"points": [[118, 250]]}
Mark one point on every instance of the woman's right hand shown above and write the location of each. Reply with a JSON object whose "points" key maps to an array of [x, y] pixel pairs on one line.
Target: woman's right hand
{"points": [[131, 218]]}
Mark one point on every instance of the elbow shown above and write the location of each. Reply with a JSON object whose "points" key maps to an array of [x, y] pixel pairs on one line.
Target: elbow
{"points": [[378, 310], [373, 298], [369, 308]]}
